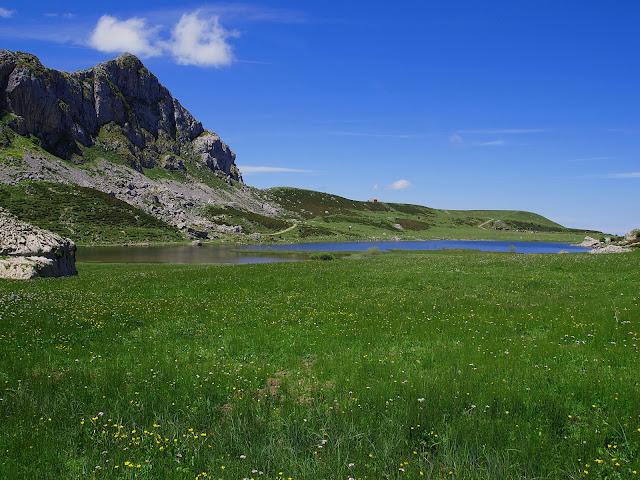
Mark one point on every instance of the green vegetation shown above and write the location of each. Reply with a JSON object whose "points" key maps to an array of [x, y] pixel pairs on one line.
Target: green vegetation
{"points": [[93, 154], [32, 63], [456, 365], [14, 146], [330, 217], [309, 204], [250, 221], [312, 216], [83, 214]]}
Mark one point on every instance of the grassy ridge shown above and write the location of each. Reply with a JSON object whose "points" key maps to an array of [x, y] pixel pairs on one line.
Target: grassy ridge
{"points": [[83, 214], [456, 365], [340, 218]]}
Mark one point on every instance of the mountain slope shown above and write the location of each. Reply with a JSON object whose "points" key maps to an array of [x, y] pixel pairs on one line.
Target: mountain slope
{"points": [[149, 171], [118, 105], [114, 128], [83, 214]]}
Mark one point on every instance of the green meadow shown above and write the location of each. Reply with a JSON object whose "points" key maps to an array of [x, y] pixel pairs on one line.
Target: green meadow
{"points": [[455, 365]]}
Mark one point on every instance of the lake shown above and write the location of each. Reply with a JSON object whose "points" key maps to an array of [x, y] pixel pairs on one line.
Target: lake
{"points": [[481, 245], [230, 254]]}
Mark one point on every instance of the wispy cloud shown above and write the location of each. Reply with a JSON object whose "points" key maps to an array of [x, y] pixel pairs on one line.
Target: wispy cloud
{"points": [[456, 139], [502, 131], [590, 159], [6, 13], [624, 130], [491, 143], [253, 169], [375, 134], [65, 15], [255, 13], [623, 175], [399, 185]]}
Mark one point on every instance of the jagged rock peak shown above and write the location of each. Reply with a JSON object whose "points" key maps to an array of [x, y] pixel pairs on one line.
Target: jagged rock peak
{"points": [[119, 105]]}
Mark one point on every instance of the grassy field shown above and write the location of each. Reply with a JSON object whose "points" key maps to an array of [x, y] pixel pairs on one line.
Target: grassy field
{"points": [[417, 365]]}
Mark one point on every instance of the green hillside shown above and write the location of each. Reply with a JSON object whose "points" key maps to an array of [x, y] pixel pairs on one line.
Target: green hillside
{"points": [[89, 216], [324, 215], [83, 214]]}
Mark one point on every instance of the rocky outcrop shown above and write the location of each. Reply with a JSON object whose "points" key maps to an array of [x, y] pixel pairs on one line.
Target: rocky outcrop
{"points": [[590, 242], [610, 249], [633, 236], [119, 105], [27, 251]]}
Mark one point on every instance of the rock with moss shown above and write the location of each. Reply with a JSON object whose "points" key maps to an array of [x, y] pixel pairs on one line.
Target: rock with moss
{"points": [[119, 105], [633, 236], [27, 252]]}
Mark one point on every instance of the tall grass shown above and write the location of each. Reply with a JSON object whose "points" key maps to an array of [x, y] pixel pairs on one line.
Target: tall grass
{"points": [[432, 365]]}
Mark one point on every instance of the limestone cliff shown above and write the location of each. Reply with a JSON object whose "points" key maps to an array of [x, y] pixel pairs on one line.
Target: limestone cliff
{"points": [[119, 105]]}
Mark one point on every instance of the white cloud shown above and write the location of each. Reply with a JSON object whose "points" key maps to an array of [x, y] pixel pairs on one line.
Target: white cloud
{"points": [[399, 185], [251, 169], [201, 41], [195, 39], [132, 35], [6, 13]]}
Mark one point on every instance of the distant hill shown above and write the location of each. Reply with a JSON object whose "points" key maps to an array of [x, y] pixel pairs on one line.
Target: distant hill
{"points": [[108, 155]]}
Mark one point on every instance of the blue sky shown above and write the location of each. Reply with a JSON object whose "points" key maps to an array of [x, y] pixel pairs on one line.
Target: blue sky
{"points": [[531, 105]]}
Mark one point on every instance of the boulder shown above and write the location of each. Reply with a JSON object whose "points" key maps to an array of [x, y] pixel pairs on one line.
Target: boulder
{"points": [[610, 249], [197, 233], [27, 251], [590, 242], [633, 236]]}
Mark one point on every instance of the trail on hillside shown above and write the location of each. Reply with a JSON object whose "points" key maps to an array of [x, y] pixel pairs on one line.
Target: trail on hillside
{"points": [[288, 229], [484, 223]]}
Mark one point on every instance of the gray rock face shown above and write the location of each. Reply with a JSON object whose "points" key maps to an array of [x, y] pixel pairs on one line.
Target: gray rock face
{"points": [[27, 251], [589, 242], [633, 236], [215, 154], [119, 105], [610, 249]]}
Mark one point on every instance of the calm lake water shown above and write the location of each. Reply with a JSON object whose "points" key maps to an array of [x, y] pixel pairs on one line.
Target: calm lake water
{"points": [[238, 255], [176, 254], [481, 245]]}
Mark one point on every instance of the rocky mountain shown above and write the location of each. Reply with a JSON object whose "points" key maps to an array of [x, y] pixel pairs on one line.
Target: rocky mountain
{"points": [[150, 171], [119, 105], [115, 128]]}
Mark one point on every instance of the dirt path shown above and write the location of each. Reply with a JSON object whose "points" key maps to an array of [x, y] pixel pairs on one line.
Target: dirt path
{"points": [[484, 223], [288, 229]]}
